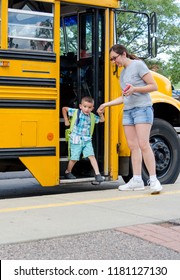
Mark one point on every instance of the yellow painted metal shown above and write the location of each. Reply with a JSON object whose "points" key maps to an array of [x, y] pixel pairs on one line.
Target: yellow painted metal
{"points": [[114, 126], [4, 20], [15, 119], [46, 169], [164, 85], [28, 93], [114, 92], [106, 96], [0, 23], [158, 97], [104, 3], [21, 68], [32, 128], [46, 173], [49, 1], [28, 133]]}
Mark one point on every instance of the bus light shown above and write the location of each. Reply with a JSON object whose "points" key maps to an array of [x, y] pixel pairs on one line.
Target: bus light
{"points": [[4, 63], [50, 136]]}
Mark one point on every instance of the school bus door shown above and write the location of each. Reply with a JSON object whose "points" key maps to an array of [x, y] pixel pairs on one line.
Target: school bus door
{"points": [[88, 77]]}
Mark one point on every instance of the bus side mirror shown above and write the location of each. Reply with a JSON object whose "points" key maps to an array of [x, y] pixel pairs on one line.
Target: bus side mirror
{"points": [[153, 35]]}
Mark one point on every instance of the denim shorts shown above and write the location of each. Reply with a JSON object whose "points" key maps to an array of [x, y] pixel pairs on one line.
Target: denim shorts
{"points": [[85, 147], [138, 115]]}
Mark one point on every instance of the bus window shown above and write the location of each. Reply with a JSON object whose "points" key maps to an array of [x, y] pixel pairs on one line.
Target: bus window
{"points": [[69, 34], [30, 27]]}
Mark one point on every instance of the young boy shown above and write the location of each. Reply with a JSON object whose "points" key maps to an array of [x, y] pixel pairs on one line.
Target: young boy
{"points": [[80, 139]]}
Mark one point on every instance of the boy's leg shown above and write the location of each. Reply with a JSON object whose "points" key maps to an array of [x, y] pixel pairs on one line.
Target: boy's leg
{"points": [[70, 166], [94, 164], [88, 151], [75, 154], [68, 174]]}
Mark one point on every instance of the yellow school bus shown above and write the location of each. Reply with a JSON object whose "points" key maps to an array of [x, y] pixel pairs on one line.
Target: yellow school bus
{"points": [[54, 52]]}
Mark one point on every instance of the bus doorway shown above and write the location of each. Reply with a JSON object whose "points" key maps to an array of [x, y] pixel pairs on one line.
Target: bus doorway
{"points": [[81, 74]]}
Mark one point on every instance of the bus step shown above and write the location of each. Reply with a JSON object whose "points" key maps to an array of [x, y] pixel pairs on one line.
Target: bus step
{"points": [[77, 180]]}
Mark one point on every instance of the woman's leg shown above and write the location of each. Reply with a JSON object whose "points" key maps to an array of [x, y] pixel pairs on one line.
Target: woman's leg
{"points": [[133, 143], [143, 135], [136, 183]]}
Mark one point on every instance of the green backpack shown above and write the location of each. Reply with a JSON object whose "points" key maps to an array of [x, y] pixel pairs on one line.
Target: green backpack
{"points": [[75, 119]]}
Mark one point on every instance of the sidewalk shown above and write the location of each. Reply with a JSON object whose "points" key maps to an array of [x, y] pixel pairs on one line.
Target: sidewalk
{"points": [[164, 234], [114, 244], [87, 223]]}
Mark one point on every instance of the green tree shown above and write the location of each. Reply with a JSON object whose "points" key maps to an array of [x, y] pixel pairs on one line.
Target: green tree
{"points": [[168, 12]]}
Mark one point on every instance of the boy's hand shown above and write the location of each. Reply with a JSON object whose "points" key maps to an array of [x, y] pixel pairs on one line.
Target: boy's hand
{"points": [[100, 110], [67, 123]]}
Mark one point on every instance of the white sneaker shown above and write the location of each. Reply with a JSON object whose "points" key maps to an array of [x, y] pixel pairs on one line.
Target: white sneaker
{"points": [[132, 185], [155, 187]]}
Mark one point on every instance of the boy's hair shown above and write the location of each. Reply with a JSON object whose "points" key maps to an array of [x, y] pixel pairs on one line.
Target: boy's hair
{"points": [[87, 99]]}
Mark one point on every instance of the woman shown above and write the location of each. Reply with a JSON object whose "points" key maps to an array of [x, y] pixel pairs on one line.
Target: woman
{"points": [[136, 83]]}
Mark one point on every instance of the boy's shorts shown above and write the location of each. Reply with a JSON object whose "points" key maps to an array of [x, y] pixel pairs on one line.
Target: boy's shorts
{"points": [[85, 148], [138, 115]]}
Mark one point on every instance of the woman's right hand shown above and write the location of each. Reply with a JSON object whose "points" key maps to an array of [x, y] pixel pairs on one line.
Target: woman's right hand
{"points": [[101, 108]]}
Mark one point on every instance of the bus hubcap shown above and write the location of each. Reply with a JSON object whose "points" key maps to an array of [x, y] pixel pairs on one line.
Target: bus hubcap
{"points": [[162, 154]]}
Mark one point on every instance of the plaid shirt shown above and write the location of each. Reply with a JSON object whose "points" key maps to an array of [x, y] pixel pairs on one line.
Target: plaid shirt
{"points": [[81, 132]]}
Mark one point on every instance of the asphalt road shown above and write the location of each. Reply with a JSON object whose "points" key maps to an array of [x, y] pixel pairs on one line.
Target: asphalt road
{"points": [[80, 221]]}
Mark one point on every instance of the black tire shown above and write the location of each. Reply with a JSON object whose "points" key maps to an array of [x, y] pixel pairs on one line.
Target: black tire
{"points": [[165, 144]]}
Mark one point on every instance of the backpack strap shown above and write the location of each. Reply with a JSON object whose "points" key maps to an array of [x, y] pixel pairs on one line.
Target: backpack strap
{"points": [[72, 123], [92, 116], [78, 114], [74, 119]]}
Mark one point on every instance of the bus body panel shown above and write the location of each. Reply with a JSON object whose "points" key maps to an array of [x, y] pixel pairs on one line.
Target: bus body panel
{"points": [[29, 104], [44, 169], [104, 3]]}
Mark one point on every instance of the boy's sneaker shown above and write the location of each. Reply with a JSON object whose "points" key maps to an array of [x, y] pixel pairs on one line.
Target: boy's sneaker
{"points": [[132, 185], [99, 178], [155, 186], [69, 176]]}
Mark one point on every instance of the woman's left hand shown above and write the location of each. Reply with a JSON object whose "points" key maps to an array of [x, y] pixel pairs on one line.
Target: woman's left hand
{"points": [[129, 89]]}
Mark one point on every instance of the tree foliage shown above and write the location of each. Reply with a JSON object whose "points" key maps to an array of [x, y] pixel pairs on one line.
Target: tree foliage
{"points": [[168, 12]]}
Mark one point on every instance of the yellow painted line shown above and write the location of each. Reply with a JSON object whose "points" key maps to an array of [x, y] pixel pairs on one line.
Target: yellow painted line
{"points": [[81, 202]]}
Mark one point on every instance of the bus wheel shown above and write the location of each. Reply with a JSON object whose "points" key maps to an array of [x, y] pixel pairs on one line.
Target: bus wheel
{"points": [[165, 144]]}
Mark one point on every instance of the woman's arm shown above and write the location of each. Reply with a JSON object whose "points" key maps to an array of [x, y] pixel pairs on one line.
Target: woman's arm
{"points": [[150, 85], [113, 102]]}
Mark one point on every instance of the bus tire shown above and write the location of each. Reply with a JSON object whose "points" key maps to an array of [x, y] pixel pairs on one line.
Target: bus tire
{"points": [[165, 144]]}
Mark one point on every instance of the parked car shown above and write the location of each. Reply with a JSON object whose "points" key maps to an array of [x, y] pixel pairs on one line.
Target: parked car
{"points": [[176, 94]]}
